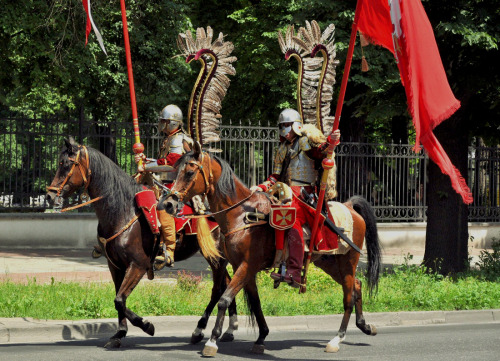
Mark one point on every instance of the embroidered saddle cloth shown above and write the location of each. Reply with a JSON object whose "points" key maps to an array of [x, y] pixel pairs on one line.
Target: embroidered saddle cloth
{"points": [[331, 242]]}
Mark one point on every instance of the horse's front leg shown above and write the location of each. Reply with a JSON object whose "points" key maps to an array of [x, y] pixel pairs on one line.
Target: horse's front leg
{"points": [[256, 310], [349, 299], [115, 341], [237, 283], [133, 275], [220, 281]]}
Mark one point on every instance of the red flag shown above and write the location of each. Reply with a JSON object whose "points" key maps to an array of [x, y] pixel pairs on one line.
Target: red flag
{"points": [[404, 29], [90, 24]]}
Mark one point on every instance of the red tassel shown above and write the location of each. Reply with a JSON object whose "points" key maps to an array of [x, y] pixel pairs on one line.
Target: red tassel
{"points": [[363, 40], [364, 64]]}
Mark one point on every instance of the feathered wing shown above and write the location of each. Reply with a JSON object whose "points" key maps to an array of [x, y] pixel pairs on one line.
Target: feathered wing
{"points": [[317, 74], [211, 86], [315, 88]]}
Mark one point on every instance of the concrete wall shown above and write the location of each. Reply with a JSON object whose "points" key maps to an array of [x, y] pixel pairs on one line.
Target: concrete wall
{"points": [[80, 231]]}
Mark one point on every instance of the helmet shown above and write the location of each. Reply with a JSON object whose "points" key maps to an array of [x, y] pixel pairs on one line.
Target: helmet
{"points": [[290, 116], [172, 113]]}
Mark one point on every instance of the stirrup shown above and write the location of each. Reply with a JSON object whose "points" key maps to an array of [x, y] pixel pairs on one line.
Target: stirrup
{"points": [[162, 261], [96, 252]]}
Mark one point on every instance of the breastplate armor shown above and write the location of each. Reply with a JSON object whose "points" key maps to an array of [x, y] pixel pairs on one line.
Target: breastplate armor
{"points": [[173, 144], [301, 170]]}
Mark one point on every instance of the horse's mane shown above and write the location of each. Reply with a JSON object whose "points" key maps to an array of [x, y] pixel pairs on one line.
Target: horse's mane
{"points": [[226, 185], [118, 187]]}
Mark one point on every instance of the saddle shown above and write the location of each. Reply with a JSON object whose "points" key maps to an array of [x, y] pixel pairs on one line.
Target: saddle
{"points": [[281, 216]]}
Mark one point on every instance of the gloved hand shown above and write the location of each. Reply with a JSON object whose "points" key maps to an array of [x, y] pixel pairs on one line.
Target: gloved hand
{"points": [[256, 189], [334, 138], [139, 157]]}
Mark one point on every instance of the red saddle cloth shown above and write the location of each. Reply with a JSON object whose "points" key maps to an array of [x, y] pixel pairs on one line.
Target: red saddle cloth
{"points": [[189, 224], [146, 200]]}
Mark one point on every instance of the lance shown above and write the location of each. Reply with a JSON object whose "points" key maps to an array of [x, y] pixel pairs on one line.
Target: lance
{"points": [[328, 162], [138, 147]]}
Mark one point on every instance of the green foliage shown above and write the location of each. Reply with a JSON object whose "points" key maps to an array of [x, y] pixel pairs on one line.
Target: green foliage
{"points": [[404, 288], [489, 262]]}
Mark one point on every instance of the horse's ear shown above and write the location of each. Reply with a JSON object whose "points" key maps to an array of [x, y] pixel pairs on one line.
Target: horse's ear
{"points": [[187, 146], [71, 144], [197, 149]]}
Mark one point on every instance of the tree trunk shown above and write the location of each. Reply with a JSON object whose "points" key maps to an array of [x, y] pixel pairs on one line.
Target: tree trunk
{"points": [[447, 215]]}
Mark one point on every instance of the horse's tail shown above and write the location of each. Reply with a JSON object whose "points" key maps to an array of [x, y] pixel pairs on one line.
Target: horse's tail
{"points": [[206, 241], [362, 206]]}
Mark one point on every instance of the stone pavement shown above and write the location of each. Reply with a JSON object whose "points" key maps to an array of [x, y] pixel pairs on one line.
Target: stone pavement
{"points": [[18, 330]]}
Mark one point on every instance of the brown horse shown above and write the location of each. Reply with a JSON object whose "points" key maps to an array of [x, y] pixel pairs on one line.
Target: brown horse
{"points": [[250, 248], [131, 245]]}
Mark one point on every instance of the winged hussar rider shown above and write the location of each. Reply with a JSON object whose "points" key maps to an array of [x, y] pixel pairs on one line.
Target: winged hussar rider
{"points": [[175, 144], [202, 117], [302, 147]]}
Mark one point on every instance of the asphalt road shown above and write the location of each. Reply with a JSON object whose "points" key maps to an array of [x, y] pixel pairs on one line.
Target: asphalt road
{"points": [[471, 342]]}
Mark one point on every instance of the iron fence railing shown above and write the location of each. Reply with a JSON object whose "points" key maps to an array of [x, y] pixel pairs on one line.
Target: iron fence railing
{"points": [[390, 176]]}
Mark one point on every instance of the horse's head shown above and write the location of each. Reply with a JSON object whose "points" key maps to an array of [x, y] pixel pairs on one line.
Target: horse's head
{"points": [[194, 177], [73, 172]]}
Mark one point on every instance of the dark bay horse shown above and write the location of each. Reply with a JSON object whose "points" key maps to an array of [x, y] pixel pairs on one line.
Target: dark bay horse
{"points": [[132, 249], [250, 249]]}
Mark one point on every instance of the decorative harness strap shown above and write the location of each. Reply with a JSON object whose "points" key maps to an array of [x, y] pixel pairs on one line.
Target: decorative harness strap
{"points": [[104, 241], [208, 181]]}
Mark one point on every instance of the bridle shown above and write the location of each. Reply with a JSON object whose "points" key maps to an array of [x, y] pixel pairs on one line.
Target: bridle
{"points": [[208, 181], [82, 161], [199, 169]]}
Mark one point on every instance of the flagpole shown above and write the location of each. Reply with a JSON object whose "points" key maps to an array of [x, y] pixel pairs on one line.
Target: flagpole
{"points": [[328, 162], [138, 147]]}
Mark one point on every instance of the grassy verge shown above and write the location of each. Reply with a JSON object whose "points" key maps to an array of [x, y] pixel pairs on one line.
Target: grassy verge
{"points": [[405, 288]]}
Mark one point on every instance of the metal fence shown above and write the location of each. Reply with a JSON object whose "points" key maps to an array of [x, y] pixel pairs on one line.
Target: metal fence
{"points": [[390, 176]]}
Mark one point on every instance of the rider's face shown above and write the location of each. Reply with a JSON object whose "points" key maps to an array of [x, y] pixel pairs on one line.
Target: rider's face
{"points": [[290, 135]]}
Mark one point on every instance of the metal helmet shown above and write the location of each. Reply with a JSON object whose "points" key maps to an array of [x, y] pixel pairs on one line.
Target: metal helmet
{"points": [[173, 114], [290, 116]]}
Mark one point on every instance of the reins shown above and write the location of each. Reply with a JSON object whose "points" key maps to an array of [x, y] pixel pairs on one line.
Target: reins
{"points": [[208, 180]]}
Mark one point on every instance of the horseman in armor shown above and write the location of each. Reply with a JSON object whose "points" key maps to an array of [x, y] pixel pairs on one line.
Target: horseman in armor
{"points": [[297, 163], [175, 144]]}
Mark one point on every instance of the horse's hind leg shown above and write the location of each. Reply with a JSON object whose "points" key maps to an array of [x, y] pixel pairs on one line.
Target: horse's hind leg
{"points": [[341, 270], [358, 305]]}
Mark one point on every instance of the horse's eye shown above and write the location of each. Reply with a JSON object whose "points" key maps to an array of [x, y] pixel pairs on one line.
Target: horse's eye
{"points": [[190, 173]]}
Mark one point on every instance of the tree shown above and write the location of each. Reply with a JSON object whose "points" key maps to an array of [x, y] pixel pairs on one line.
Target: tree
{"points": [[467, 33]]}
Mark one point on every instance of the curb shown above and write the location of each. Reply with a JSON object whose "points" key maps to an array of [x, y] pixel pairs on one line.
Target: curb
{"points": [[19, 330]]}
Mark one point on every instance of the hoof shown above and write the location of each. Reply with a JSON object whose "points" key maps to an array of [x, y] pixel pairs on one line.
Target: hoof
{"points": [[258, 349], [113, 343], [149, 328], [227, 337], [373, 330], [209, 351], [196, 338], [332, 348]]}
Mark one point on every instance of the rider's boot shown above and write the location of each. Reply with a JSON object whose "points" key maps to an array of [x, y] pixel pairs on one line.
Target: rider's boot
{"points": [[165, 255], [295, 260]]}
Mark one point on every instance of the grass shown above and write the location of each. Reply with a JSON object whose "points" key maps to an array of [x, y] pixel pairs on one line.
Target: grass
{"points": [[404, 288]]}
